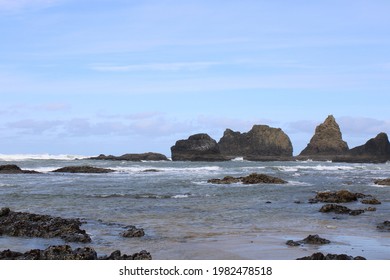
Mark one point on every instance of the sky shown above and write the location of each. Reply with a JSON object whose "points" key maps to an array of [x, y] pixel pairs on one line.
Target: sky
{"points": [[114, 76]]}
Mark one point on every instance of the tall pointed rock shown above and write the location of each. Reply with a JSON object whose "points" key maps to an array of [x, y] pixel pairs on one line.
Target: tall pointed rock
{"points": [[327, 141]]}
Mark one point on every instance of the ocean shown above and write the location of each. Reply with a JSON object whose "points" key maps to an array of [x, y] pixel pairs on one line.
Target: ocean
{"points": [[186, 218]]}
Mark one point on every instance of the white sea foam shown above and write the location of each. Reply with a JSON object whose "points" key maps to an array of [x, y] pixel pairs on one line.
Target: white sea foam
{"points": [[181, 196], [318, 168], [24, 157], [238, 159]]}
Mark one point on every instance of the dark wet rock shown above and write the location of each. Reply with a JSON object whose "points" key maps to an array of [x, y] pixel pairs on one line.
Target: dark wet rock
{"points": [[370, 209], [326, 143], [83, 169], [133, 157], [65, 252], [14, 169], [321, 256], [339, 209], [375, 150], [225, 180], [370, 200], [261, 143], [133, 231], [311, 239], [20, 224], [116, 255], [151, 170], [341, 196], [198, 147], [385, 226], [383, 182], [253, 178]]}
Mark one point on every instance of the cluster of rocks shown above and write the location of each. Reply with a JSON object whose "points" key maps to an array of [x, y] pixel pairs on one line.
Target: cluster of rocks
{"points": [[264, 143], [311, 239], [65, 252], [343, 196], [14, 169], [321, 256], [253, 178], [21, 224]]}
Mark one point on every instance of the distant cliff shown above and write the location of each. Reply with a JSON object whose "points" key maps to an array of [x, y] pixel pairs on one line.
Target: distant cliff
{"points": [[260, 143], [326, 143]]}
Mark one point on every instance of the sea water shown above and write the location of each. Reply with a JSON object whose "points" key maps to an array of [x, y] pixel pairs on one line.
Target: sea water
{"points": [[184, 217]]}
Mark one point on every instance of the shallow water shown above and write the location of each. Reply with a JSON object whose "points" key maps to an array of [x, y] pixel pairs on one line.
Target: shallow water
{"points": [[184, 217]]}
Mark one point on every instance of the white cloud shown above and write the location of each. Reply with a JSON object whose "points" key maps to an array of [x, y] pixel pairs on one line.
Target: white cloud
{"points": [[172, 66]]}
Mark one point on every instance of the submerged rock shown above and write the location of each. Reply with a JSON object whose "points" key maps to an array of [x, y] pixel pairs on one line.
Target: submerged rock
{"points": [[385, 226], [260, 143], [311, 239], [341, 196], [253, 178], [321, 256], [14, 169], [133, 231], [83, 169], [339, 209], [65, 252], [383, 182], [326, 143], [20, 224]]}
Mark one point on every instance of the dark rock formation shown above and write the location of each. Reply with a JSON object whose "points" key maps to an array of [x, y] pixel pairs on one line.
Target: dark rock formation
{"points": [[133, 231], [83, 169], [371, 200], [311, 239], [383, 182], [133, 157], [260, 143], [326, 143], [341, 196], [339, 209], [253, 178], [198, 147], [43, 226], [321, 256], [385, 226], [375, 150], [65, 252], [14, 169]]}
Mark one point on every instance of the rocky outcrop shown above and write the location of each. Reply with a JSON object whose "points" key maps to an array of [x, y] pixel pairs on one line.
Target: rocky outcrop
{"points": [[198, 147], [260, 143], [133, 231], [375, 150], [14, 169], [83, 169], [321, 256], [340, 209], [311, 239], [251, 179], [385, 226], [20, 224], [133, 157], [326, 143], [65, 252], [341, 196], [383, 182]]}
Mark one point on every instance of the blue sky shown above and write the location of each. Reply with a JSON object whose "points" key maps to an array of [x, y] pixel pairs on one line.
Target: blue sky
{"points": [[90, 77]]}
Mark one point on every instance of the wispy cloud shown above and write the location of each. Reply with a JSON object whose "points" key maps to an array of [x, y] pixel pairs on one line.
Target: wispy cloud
{"points": [[172, 66]]}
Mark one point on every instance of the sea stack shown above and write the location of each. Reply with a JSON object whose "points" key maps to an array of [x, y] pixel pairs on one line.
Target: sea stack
{"points": [[375, 150], [261, 143], [326, 143], [198, 147]]}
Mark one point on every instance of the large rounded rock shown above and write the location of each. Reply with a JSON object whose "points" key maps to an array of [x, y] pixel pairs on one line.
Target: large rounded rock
{"points": [[260, 143], [198, 147]]}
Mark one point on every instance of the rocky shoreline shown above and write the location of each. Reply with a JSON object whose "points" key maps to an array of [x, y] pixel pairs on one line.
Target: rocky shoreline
{"points": [[22, 224]]}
